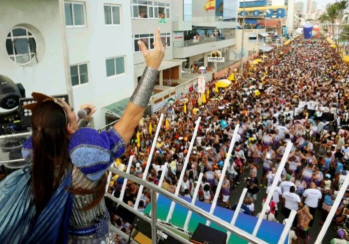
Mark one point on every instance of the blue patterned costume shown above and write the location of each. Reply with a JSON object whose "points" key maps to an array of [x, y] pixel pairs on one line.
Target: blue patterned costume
{"points": [[63, 218]]}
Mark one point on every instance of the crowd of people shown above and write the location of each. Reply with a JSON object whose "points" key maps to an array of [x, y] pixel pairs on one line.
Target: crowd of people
{"points": [[300, 93]]}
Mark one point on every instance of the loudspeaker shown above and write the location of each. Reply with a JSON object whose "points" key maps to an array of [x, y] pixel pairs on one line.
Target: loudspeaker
{"points": [[26, 113], [206, 234], [144, 228]]}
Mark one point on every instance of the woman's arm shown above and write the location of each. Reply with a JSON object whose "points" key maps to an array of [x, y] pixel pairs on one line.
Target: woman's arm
{"points": [[140, 98]]}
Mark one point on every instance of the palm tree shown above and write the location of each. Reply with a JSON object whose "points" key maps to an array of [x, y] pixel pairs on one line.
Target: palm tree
{"points": [[341, 6], [333, 13], [324, 19], [344, 36]]}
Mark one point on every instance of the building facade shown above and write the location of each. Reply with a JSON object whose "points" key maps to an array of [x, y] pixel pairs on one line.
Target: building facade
{"points": [[192, 31], [80, 48]]}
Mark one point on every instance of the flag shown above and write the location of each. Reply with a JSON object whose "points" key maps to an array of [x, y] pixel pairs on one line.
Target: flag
{"points": [[138, 139], [150, 129], [203, 97], [210, 5], [167, 125]]}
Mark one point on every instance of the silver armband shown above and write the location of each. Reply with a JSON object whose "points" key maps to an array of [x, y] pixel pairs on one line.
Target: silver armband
{"points": [[145, 87]]}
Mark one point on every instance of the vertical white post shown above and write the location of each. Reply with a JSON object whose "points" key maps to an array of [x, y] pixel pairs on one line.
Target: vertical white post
{"points": [[332, 211], [196, 191], [242, 42], [162, 177], [108, 181], [224, 171], [287, 227], [65, 52], [238, 207], [273, 186], [160, 182], [179, 183], [237, 210], [123, 189], [145, 173]]}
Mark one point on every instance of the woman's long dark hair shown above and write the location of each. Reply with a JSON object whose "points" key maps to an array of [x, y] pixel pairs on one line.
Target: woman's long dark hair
{"points": [[50, 151]]}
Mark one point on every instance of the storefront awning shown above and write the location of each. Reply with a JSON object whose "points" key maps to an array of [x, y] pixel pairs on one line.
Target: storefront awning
{"points": [[118, 108], [264, 34], [266, 48]]}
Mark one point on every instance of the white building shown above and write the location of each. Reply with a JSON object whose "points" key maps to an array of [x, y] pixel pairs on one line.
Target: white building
{"points": [[146, 17], [299, 8], [198, 32], [290, 22], [79, 48], [190, 34]]}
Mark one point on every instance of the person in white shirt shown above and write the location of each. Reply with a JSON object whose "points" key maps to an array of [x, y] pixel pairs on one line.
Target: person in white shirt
{"points": [[286, 184], [270, 176], [292, 201], [312, 197], [282, 131], [268, 215], [185, 185]]}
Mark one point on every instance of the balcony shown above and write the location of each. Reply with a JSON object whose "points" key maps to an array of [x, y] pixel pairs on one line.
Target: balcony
{"points": [[201, 40], [193, 47]]}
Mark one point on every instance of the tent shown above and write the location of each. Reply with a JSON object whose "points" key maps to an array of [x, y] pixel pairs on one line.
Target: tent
{"points": [[266, 48], [287, 42], [334, 46]]}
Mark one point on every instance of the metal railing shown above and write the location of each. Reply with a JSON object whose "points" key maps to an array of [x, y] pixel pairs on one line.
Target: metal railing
{"points": [[153, 219], [202, 40], [12, 163]]}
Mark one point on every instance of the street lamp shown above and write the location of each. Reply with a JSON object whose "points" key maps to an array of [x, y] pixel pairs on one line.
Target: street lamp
{"points": [[242, 41]]}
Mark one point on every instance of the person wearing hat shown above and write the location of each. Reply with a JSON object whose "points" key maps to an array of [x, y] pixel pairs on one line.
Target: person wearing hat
{"points": [[65, 157], [286, 184]]}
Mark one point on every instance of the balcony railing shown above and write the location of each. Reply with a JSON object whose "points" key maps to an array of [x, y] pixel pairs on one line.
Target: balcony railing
{"points": [[202, 40]]}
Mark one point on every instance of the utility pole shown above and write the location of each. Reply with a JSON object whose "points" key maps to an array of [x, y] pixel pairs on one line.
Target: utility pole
{"points": [[242, 42]]}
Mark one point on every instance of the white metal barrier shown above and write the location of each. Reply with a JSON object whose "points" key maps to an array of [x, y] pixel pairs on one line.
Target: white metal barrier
{"points": [[154, 221]]}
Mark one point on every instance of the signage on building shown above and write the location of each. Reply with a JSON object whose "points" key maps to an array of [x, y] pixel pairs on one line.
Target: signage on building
{"points": [[178, 35], [201, 84], [216, 59]]}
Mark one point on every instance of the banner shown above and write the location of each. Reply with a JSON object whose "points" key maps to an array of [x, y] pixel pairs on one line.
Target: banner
{"points": [[216, 59], [201, 84]]}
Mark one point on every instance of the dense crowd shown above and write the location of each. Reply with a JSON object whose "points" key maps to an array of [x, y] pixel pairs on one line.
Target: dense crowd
{"points": [[300, 93]]}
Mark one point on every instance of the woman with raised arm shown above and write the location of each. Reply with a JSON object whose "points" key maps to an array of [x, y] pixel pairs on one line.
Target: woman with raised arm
{"points": [[60, 196]]}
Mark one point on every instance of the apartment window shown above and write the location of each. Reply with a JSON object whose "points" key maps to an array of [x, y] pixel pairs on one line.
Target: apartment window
{"points": [[166, 39], [161, 10], [148, 40], [252, 37], [187, 10], [250, 53], [150, 9], [21, 45], [74, 14], [79, 74], [112, 15], [115, 66]]}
